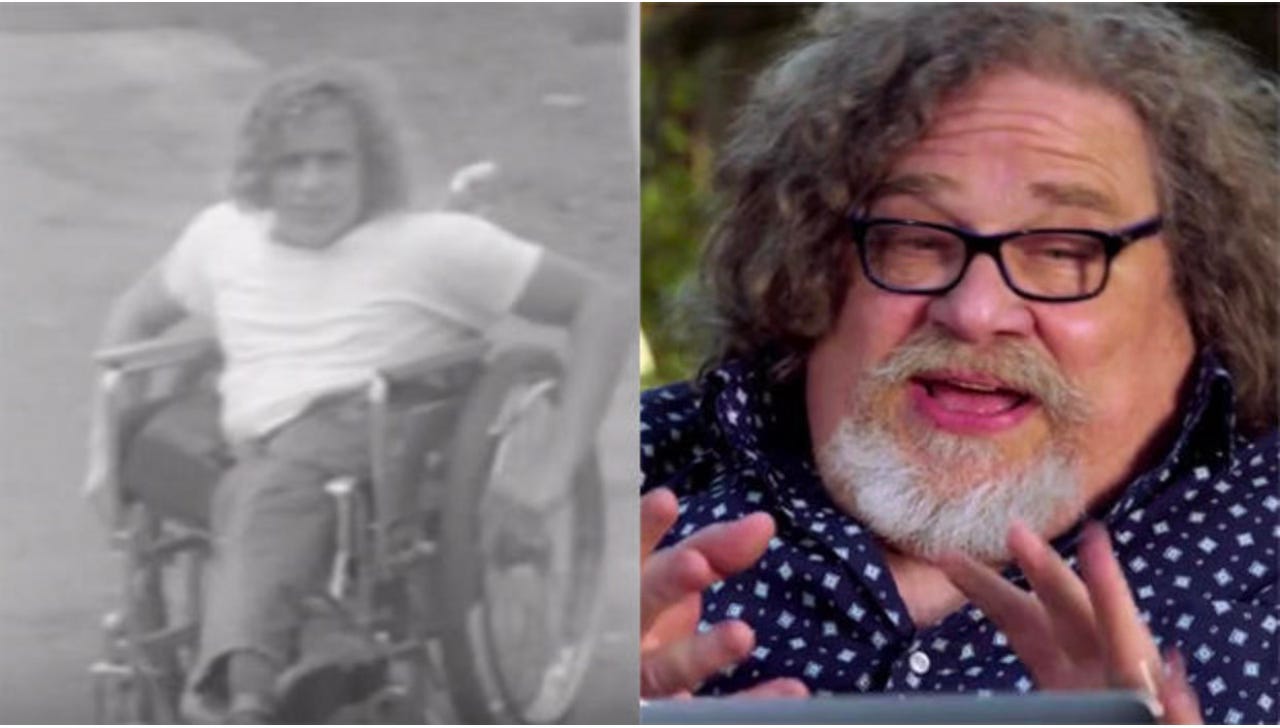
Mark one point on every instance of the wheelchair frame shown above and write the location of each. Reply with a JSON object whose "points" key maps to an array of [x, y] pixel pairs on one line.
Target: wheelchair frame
{"points": [[437, 628]]}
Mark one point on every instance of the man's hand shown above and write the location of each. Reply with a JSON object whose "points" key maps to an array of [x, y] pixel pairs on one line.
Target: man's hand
{"points": [[98, 489], [674, 657], [1073, 634], [99, 482]]}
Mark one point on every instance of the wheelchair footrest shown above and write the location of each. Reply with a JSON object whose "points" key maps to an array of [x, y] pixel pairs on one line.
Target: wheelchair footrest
{"points": [[168, 639], [411, 556], [170, 545], [105, 669], [405, 649]]}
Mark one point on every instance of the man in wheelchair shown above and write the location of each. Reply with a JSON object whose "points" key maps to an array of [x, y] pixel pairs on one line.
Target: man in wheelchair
{"points": [[312, 275]]}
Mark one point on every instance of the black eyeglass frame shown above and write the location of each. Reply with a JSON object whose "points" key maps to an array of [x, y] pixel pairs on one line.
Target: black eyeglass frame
{"points": [[1112, 244]]}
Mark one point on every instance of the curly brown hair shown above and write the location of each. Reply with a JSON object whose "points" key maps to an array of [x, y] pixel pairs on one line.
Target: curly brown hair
{"points": [[825, 122], [362, 89]]}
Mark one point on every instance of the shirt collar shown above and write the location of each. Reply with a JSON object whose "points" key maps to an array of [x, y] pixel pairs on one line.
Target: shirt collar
{"points": [[1205, 436]]}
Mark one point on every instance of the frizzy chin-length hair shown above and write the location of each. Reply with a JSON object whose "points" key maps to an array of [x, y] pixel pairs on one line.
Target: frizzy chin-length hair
{"points": [[824, 124], [360, 88]]}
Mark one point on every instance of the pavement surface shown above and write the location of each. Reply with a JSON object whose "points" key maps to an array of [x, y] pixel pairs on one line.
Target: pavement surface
{"points": [[117, 121]]}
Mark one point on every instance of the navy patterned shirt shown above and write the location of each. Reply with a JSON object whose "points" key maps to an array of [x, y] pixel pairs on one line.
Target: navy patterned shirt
{"points": [[1196, 536]]}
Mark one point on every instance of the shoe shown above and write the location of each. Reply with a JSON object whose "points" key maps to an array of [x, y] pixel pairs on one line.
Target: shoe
{"points": [[249, 709], [242, 709], [337, 668], [315, 694], [193, 708]]}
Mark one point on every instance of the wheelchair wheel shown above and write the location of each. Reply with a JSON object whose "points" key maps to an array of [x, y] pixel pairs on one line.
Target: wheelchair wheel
{"points": [[138, 678], [520, 585]]}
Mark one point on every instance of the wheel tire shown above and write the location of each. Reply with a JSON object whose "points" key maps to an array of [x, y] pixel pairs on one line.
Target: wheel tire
{"points": [[480, 686], [152, 698]]}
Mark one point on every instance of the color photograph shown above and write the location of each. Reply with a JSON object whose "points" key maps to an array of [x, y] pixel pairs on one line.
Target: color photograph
{"points": [[962, 331]]}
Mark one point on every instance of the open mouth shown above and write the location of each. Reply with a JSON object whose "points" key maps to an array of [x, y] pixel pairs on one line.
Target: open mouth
{"points": [[310, 212], [968, 402]]}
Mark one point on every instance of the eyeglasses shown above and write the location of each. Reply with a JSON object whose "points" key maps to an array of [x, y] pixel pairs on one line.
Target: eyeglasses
{"points": [[1052, 264]]}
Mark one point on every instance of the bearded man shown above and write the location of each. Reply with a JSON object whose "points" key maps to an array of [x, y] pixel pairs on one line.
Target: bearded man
{"points": [[996, 291]]}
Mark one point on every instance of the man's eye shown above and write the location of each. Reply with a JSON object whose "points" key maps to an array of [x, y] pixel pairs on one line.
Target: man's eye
{"points": [[927, 243], [1066, 253], [921, 243], [1061, 249]]}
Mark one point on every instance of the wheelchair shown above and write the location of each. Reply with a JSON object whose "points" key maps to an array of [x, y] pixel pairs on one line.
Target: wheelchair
{"points": [[484, 609]]}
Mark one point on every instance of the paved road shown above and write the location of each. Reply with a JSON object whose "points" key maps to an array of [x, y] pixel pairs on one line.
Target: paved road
{"points": [[114, 128]]}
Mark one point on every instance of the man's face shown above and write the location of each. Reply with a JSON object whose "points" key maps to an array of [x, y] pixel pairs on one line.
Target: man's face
{"points": [[316, 178], [998, 407]]}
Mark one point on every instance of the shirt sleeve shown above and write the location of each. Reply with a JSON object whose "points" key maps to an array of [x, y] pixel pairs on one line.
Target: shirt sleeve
{"points": [[185, 267], [477, 269]]}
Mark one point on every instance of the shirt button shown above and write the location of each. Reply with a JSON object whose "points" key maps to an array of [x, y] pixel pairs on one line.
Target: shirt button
{"points": [[918, 662]]}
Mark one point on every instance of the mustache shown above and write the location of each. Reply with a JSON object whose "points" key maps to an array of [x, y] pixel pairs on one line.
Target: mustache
{"points": [[1018, 365]]}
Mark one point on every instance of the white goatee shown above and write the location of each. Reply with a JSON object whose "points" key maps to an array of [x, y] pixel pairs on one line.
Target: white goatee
{"points": [[925, 512]]}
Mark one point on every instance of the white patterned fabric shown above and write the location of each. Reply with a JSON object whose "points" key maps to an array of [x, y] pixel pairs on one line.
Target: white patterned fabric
{"points": [[1196, 535]]}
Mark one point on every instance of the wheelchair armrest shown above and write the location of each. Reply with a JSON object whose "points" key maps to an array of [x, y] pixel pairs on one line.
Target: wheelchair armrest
{"points": [[131, 378], [155, 353], [416, 371]]}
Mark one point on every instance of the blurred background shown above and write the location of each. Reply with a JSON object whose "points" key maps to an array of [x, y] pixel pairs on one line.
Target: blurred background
{"points": [[697, 61], [116, 128]]}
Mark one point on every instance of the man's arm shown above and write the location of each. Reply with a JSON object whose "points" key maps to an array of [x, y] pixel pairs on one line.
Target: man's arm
{"points": [[145, 310], [1077, 632], [598, 316], [675, 658]]}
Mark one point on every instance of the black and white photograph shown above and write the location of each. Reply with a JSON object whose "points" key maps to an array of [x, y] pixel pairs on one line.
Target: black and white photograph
{"points": [[318, 388]]}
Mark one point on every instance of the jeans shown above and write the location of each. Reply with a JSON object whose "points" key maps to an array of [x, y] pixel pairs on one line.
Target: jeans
{"points": [[273, 530]]}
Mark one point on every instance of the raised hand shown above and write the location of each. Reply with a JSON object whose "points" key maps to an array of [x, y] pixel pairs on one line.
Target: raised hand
{"points": [[1075, 634], [674, 657]]}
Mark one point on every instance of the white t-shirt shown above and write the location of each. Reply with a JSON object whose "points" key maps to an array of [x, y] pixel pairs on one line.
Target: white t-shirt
{"points": [[297, 324]]}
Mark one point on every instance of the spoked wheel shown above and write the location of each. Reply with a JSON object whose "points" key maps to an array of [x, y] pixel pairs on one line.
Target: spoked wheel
{"points": [[137, 680], [119, 698], [521, 569]]}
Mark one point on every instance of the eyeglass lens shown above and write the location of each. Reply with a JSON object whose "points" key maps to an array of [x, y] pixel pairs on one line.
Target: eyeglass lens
{"points": [[920, 259]]}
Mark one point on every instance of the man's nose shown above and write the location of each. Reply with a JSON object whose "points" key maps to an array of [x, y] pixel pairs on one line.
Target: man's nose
{"points": [[981, 307], [311, 174]]}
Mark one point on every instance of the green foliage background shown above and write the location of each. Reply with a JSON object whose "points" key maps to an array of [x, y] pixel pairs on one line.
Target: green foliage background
{"points": [[697, 61]]}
